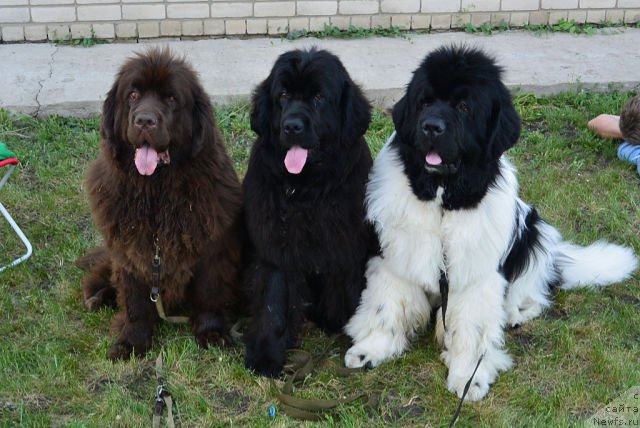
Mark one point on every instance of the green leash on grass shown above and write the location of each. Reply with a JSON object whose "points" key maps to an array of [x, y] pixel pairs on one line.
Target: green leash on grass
{"points": [[303, 363]]}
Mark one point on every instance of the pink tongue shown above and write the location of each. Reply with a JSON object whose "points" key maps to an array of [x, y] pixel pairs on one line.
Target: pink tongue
{"points": [[146, 160], [433, 158], [295, 159]]}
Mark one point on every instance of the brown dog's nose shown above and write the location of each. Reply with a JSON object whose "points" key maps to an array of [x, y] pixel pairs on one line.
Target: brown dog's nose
{"points": [[145, 120]]}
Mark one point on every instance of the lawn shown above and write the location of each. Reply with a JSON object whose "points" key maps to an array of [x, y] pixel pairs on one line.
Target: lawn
{"points": [[570, 362]]}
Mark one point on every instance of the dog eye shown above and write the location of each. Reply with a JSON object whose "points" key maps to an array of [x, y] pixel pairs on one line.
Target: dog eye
{"points": [[284, 95], [134, 96], [171, 101], [318, 99], [463, 107]]}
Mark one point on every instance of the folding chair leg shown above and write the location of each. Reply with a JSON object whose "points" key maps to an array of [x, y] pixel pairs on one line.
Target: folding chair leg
{"points": [[23, 238]]}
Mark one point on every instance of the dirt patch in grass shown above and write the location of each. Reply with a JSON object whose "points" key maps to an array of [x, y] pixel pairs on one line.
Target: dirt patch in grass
{"points": [[140, 381], [622, 296], [570, 132], [582, 412], [533, 126], [521, 338], [31, 403], [98, 384], [556, 312], [231, 402], [523, 341], [394, 409]]}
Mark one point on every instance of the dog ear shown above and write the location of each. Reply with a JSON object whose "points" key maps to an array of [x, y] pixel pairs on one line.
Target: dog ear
{"points": [[400, 116], [504, 127], [202, 120], [356, 113], [109, 129], [261, 109], [399, 112]]}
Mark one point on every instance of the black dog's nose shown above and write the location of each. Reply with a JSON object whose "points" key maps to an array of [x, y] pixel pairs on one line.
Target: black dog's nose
{"points": [[145, 120], [293, 125], [433, 126]]}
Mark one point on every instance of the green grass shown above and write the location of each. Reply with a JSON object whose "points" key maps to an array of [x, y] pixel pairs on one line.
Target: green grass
{"points": [[486, 28], [577, 357], [562, 26], [85, 42], [352, 32]]}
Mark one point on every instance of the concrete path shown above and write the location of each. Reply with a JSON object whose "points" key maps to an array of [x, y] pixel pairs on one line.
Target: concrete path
{"points": [[43, 79]]}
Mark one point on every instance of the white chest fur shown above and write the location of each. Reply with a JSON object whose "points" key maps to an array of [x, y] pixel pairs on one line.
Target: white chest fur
{"points": [[420, 239]]}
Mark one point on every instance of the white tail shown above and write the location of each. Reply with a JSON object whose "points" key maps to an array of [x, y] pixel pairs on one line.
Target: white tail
{"points": [[599, 264]]}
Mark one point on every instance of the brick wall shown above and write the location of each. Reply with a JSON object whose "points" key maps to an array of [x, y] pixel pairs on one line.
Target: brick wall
{"points": [[38, 20]]}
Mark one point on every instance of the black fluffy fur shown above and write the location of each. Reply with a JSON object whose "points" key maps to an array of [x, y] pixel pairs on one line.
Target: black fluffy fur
{"points": [[309, 235], [527, 238], [449, 81]]}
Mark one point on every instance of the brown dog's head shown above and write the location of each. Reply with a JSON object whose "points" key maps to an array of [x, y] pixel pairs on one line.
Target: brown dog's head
{"points": [[156, 113]]}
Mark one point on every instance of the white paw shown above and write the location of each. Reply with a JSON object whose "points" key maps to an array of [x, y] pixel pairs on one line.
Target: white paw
{"points": [[477, 389], [357, 357], [495, 361], [517, 316], [372, 351]]}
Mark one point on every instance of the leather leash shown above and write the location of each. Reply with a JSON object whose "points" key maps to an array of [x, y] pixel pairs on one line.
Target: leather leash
{"points": [[464, 393], [314, 409], [163, 399], [155, 290]]}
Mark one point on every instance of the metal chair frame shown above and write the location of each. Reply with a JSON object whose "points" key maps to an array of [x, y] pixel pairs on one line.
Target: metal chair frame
{"points": [[11, 166]]}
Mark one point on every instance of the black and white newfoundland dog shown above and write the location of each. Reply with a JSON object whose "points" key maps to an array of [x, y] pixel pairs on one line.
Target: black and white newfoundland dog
{"points": [[444, 201], [304, 194]]}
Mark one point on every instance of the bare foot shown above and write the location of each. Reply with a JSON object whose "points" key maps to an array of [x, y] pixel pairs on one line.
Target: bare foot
{"points": [[606, 125]]}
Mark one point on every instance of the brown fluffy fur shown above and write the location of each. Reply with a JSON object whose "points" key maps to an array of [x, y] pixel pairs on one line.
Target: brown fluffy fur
{"points": [[191, 206], [630, 121]]}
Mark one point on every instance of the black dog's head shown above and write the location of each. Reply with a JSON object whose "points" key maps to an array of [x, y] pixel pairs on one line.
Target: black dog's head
{"points": [[156, 112], [308, 109], [456, 112]]}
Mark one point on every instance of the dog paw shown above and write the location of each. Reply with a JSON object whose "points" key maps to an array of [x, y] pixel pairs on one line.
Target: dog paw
{"points": [[356, 358], [372, 351], [264, 355], [478, 388], [213, 338], [495, 360], [93, 303], [120, 351], [210, 330], [264, 365], [518, 315], [103, 297], [135, 338]]}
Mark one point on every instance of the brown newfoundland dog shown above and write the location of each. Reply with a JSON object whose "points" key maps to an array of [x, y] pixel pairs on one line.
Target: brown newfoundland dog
{"points": [[165, 197]]}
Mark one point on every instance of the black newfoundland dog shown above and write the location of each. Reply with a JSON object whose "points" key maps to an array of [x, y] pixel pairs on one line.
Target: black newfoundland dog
{"points": [[444, 200], [304, 193], [167, 201]]}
